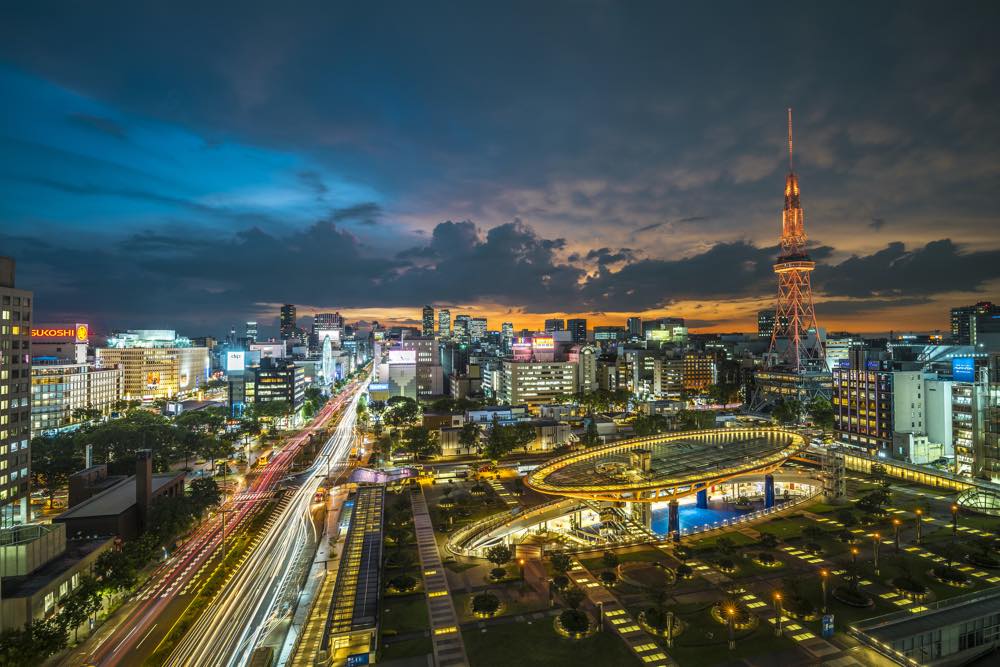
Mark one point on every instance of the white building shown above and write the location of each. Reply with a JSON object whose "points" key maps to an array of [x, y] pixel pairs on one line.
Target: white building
{"points": [[58, 390]]}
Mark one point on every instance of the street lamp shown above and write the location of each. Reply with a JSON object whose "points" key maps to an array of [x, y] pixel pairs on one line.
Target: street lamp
{"points": [[670, 629], [897, 523], [780, 611], [876, 539], [823, 577], [731, 614], [954, 520], [920, 524], [854, 555]]}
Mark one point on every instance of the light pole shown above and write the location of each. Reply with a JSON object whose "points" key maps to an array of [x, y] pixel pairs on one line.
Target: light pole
{"points": [[854, 555], [897, 523], [670, 629], [823, 577], [780, 612], [600, 616], [920, 524], [954, 520], [876, 539], [731, 614]]}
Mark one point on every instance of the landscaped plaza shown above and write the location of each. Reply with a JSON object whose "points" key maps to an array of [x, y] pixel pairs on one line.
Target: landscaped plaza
{"points": [[797, 583]]}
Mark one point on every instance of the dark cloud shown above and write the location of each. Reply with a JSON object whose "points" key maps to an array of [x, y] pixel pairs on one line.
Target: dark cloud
{"points": [[877, 223], [936, 268]]}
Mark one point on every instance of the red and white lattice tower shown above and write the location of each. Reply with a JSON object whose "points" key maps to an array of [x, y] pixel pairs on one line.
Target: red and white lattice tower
{"points": [[795, 340]]}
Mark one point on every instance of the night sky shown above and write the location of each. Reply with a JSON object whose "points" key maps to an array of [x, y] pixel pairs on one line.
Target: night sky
{"points": [[193, 165]]}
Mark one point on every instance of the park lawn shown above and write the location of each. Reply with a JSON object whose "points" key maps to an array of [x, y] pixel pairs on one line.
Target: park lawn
{"points": [[632, 555], [709, 543], [822, 508], [405, 613], [536, 644], [408, 648], [706, 642], [512, 605], [785, 527]]}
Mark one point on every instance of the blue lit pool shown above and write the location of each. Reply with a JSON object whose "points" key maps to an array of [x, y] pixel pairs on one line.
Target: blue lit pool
{"points": [[692, 517]]}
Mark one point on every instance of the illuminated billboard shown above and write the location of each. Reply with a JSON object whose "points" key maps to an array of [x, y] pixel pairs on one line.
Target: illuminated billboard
{"points": [[333, 334], [402, 356], [78, 333], [543, 343], [963, 369], [236, 361]]}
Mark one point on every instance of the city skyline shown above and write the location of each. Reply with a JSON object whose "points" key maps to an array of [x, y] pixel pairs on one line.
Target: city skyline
{"points": [[626, 182]]}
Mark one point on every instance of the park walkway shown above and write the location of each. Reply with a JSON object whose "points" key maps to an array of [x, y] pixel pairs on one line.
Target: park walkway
{"points": [[617, 617], [446, 637]]}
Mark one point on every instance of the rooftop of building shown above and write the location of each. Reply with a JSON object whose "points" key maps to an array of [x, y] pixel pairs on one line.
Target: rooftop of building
{"points": [[116, 499], [76, 550], [961, 609]]}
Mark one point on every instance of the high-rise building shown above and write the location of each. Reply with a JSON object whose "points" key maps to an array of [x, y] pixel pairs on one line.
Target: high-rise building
{"points": [[15, 408], [577, 330], [765, 323], [965, 321], [792, 346], [428, 322], [555, 324], [276, 380], [444, 322], [862, 402], [633, 328], [250, 332], [477, 329], [507, 334], [287, 322], [700, 371], [536, 383], [461, 331]]}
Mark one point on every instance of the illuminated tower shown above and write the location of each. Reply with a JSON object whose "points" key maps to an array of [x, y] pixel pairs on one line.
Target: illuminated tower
{"points": [[794, 315]]}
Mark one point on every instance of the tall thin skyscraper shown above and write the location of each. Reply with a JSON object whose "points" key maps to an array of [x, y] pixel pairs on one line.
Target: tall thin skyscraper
{"points": [[286, 324], [428, 321], [577, 329], [15, 408], [444, 322], [794, 314], [250, 331], [634, 327]]}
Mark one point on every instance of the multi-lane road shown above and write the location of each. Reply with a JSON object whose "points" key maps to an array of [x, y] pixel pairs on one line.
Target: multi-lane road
{"points": [[134, 633], [261, 594]]}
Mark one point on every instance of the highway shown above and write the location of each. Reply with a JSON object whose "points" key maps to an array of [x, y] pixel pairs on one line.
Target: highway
{"points": [[134, 632], [261, 594]]}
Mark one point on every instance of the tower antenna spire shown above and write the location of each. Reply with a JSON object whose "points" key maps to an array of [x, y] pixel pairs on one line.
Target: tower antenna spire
{"points": [[790, 168]]}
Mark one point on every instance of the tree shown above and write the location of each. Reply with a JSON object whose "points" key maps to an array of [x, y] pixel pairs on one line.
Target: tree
{"points": [[821, 411], [591, 436], [53, 459], [725, 545], [499, 554], [78, 607], [788, 411], [401, 411], [610, 560], [690, 420], [468, 436], [768, 540], [561, 563], [421, 441], [500, 440], [524, 435], [115, 571], [645, 425], [574, 598], [204, 493], [86, 414]]}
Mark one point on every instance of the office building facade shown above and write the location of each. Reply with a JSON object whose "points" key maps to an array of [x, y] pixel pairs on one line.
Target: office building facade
{"points": [[444, 322], [428, 322], [59, 391], [555, 324], [536, 383], [577, 330], [15, 400], [287, 322]]}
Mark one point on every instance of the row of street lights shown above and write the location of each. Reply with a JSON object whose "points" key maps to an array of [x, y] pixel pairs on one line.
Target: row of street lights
{"points": [[824, 574]]}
